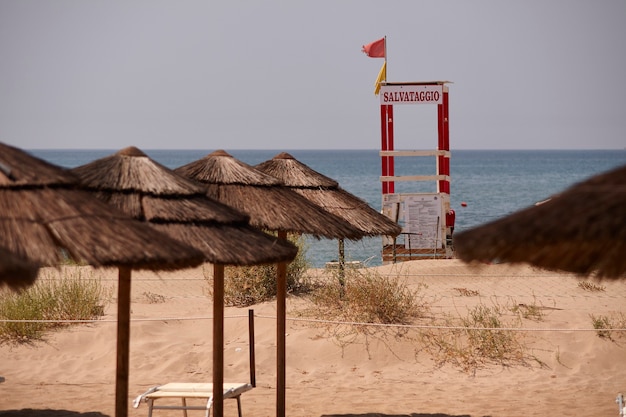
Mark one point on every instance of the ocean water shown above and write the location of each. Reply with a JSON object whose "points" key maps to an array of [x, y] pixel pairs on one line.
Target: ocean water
{"points": [[491, 183]]}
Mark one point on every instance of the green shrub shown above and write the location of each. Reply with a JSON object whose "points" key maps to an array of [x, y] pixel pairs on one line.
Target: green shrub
{"points": [[23, 306], [68, 297], [249, 285]]}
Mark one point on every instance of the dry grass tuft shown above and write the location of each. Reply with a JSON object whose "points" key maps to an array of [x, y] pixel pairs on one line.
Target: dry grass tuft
{"points": [[590, 286], [362, 305], [73, 296], [530, 311], [480, 338], [365, 296], [153, 298], [606, 325], [467, 292], [356, 304], [248, 285]]}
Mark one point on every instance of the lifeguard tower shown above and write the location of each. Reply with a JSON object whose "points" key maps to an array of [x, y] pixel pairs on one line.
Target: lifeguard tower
{"points": [[426, 218]]}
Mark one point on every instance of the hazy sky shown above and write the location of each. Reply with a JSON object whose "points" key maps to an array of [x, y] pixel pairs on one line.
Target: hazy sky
{"points": [[290, 74]]}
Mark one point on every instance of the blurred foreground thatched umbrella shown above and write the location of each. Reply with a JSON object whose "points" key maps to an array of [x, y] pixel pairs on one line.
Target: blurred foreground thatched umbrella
{"points": [[16, 273], [581, 230], [179, 207], [271, 206], [45, 216]]}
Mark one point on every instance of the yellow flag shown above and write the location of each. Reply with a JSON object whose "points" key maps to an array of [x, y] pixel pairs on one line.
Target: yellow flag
{"points": [[382, 76]]}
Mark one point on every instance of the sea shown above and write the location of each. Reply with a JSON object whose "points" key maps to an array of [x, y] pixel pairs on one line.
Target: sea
{"points": [[485, 184]]}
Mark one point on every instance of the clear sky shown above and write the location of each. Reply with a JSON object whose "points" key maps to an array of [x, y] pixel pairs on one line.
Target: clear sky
{"points": [[269, 74]]}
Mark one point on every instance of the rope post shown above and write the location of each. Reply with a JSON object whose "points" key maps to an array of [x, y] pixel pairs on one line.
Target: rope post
{"points": [[252, 350]]}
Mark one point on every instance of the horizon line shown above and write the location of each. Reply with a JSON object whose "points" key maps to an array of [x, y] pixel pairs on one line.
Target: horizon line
{"points": [[325, 149]]}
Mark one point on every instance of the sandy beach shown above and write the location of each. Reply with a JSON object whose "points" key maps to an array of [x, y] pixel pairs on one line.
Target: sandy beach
{"points": [[568, 369]]}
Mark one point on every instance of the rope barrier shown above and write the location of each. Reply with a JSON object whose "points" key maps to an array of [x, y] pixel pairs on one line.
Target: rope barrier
{"points": [[435, 327], [335, 322], [115, 321], [397, 273]]}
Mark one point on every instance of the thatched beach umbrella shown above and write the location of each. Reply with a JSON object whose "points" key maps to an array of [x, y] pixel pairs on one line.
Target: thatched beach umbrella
{"points": [[16, 273], [581, 230], [179, 207], [148, 191], [271, 206], [46, 216], [326, 193]]}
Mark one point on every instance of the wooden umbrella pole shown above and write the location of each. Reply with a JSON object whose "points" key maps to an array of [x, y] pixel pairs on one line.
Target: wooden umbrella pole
{"points": [[281, 330], [342, 264], [218, 340], [123, 342]]}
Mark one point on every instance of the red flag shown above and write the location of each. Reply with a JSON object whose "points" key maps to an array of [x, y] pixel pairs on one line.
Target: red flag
{"points": [[375, 49]]}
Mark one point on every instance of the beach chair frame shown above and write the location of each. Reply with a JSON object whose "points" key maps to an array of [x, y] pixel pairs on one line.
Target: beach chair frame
{"points": [[191, 390]]}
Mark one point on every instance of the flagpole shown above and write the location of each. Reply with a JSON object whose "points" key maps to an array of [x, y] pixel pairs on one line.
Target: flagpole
{"points": [[386, 58]]}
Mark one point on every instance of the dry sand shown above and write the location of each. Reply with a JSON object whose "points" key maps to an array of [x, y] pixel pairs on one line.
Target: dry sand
{"points": [[72, 373]]}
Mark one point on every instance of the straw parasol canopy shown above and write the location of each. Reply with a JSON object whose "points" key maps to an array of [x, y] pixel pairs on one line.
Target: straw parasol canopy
{"points": [[270, 205], [326, 193], [179, 207], [45, 216], [581, 230], [16, 273]]}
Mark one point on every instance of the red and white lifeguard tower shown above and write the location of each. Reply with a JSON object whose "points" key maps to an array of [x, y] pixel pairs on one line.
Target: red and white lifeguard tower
{"points": [[426, 218]]}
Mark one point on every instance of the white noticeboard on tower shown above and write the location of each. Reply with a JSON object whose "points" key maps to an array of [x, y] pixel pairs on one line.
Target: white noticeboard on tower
{"points": [[421, 216]]}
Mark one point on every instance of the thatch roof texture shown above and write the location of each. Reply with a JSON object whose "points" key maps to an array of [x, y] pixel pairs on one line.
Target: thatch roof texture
{"points": [[326, 193], [179, 207], [581, 230], [19, 169], [44, 216], [270, 205]]}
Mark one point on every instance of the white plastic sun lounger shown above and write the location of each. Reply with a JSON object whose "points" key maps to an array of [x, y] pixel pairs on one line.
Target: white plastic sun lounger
{"points": [[190, 390], [196, 391]]}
